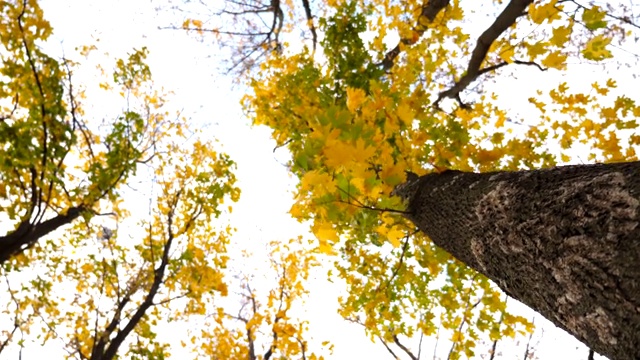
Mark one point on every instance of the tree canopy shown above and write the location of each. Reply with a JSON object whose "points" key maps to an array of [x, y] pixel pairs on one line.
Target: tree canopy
{"points": [[113, 223], [357, 92], [421, 86]]}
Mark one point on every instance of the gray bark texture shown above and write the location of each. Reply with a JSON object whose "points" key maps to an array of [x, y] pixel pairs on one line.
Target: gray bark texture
{"points": [[565, 241]]}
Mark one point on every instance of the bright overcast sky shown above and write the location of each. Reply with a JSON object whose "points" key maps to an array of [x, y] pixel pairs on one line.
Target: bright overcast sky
{"points": [[189, 68]]}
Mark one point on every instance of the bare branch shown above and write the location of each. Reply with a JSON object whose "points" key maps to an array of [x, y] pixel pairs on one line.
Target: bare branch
{"points": [[312, 28], [509, 15], [526, 350], [387, 347], [404, 348]]}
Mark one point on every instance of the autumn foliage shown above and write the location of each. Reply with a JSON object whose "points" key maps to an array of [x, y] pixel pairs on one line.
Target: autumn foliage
{"points": [[111, 222], [415, 86], [372, 89]]}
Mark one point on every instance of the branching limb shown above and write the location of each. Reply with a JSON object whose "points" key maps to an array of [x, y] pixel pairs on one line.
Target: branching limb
{"points": [[508, 17], [27, 234], [387, 347], [404, 348]]}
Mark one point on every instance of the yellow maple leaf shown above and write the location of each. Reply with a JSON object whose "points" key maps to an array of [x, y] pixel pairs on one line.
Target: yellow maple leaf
{"points": [[337, 153], [405, 114], [325, 232], [457, 336], [507, 54], [555, 60], [326, 247], [548, 12], [593, 18], [561, 35], [314, 181], [362, 152], [394, 235], [355, 98], [596, 48], [485, 156], [536, 49]]}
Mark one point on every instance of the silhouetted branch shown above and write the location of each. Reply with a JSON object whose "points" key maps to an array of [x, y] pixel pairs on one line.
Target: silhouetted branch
{"points": [[312, 28], [513, 11], [404, 348]]}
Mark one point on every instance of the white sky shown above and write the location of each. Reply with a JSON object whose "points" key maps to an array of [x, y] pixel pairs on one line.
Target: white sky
{"points": [[188, 68]]}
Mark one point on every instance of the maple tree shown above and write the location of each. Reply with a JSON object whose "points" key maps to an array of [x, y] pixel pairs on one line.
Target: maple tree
{"points": [[561, 240], [401, 86], [86, 269]]}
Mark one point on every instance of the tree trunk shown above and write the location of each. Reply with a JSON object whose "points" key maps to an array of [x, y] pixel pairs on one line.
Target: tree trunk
{"points": [[564, 241]]}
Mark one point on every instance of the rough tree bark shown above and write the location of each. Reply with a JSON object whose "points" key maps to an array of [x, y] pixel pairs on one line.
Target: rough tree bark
{"points": [[564, 241]]}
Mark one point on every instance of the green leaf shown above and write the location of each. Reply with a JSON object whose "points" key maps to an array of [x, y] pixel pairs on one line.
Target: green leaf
{"points": [[594, 18]]}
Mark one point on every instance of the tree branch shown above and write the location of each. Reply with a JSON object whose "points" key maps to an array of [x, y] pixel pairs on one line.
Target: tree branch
{"points": [[312, 28], [404, 348], [27, 234], [513, 11], [429, 11]]}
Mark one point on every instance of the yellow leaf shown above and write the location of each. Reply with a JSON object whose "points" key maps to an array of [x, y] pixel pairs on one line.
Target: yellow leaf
{"points": [[405, 114], [362, 152], [457, 336], [388, 219], [509, 332], [536, 49], [358, 183], [593, 18], [325, 232], [315, 180], [507, 54], [548, 12], [485, 156], [337, 153], [394, 235], [555, 60], [561, 35], [600, 90], [326, 248], [596, 48], [355, 98]]}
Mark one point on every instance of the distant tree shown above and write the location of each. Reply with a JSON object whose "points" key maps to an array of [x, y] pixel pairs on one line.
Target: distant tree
{"points": [[250, 29], [112, 228]]}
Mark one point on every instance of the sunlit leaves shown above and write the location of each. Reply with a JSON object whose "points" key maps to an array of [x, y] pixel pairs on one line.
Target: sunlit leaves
{"points": [[264, 318], [596, 48], [327, 236], [353, 130], [541, 12], [561, 35], [593, 18], [133, 71], [555, 60], [355, 98], [136, 198]]}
